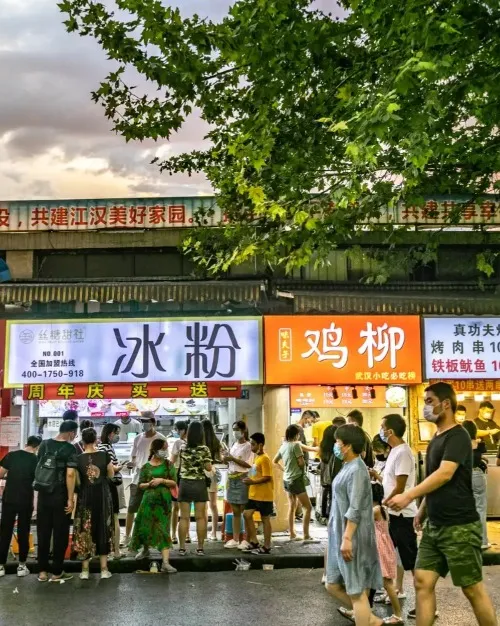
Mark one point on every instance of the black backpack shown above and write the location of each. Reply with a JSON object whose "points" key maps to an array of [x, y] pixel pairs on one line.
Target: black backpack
{"points": [[47, 472]]}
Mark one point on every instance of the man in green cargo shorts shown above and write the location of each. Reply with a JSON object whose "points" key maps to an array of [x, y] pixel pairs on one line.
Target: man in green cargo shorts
{"points": [[452, 533]]}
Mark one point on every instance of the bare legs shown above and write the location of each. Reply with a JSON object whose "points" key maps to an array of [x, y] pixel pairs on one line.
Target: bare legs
{"points": [[175, 519], [393, 596], [362, 611], [303, 498], [292, 507], [212, 495], [237, 513], [185, 509], [128, 525], [200, 513], [116, 537]]}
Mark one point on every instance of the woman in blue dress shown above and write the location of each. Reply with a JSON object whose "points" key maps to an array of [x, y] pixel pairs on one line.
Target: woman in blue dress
{"points": [[352, 564]]}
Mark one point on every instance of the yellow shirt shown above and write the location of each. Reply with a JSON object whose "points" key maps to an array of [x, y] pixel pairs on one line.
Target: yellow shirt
{"points": [[318, 430], [263, 492]]}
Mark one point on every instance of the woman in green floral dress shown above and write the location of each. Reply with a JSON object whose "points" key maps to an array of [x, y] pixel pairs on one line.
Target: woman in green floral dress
{"points": [[152, 524]]}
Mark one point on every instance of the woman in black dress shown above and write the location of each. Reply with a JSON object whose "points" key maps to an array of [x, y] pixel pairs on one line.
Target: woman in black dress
{"points": [[93, 525]]}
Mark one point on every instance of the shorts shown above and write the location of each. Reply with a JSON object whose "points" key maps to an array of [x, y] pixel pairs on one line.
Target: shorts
{"points": [[454, 549], [136, 496], [237, 491], [404, 538], [295, 487], [266, 509], [192, 490]]}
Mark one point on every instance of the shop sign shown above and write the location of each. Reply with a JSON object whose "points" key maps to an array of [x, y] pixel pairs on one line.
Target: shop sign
{"points": [[133, 351], [138, 213], [323, 397], [132, 391], [473, 385], [334, 350], [462, 347]]}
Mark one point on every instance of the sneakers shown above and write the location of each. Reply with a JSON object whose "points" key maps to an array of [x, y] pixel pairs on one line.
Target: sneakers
{"points": [[166, 568], [105, 574], [244, 545], [143, 554], [401, 596], [85, 575], [22, 571], [231, 544], [2, 571]]}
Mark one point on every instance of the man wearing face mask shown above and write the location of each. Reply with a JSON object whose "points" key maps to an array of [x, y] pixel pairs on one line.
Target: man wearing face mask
{"points": [[487, 429], [128, 425], [140, 454], [452, 537]]}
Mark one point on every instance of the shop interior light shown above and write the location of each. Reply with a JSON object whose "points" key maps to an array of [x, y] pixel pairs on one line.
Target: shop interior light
{"points": [[354, 393], [479, 397], [495, 397], [335, 393], [373, 395], [460, 397]]}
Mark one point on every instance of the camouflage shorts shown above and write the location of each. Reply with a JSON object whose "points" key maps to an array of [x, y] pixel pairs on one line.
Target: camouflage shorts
{"points": [[454, 549]]}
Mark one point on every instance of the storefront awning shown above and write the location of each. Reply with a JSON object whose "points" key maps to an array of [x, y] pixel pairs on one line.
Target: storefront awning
{"points": [[176, 291], [401, 303]]}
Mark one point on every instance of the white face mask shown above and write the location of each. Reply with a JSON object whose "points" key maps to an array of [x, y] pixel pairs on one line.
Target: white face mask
{"points": [[237, 434], [429, 414], [162, 454]]}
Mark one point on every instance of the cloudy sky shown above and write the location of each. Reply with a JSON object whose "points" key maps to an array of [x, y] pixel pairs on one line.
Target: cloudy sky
{"points": [[54, 141]]}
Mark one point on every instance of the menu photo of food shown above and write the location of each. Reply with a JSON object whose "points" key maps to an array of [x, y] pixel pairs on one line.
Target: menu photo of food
{"points": [[111, 408]]}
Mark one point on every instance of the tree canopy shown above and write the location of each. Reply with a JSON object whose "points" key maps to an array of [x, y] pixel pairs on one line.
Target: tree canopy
{"points": [[391, 102]]}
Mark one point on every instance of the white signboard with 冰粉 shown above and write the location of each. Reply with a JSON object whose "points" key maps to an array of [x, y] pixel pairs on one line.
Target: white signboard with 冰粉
{"points": [[462, 347], [131, 350]]}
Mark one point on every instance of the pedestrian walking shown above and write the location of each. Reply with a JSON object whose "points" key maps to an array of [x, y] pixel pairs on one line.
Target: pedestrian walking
{"points": [[329, 467], [152, 525], [18, 470], [260, 495], [93, 525], [195, 477], [452, 535], [479, 469], [295, 480], [79, 445], [140, 454], [352, 564], [55, 478], [216, 448], [399, 476], [239, 459], [110, 436], [175, 457]]}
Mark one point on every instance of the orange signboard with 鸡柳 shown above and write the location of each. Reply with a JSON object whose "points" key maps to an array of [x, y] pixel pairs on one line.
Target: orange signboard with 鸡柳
{"points": [[338, 349]]}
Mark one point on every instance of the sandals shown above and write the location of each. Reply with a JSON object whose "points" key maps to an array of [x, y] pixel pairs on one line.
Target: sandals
{"points": [[261, 550], [43, 579], [346, 613], [182, 552], [200, 552], [393, 619]]}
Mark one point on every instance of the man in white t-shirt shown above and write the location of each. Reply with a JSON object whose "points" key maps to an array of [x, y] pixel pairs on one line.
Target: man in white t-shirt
{"points": [[128, 425], [140, 456], [399, 476]]}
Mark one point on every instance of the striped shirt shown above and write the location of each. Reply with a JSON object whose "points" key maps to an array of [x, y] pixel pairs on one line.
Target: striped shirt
{"points": [[107, 447]]}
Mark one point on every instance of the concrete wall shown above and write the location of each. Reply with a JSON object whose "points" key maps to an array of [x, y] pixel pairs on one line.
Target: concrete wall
{"points": [[20, 263]]}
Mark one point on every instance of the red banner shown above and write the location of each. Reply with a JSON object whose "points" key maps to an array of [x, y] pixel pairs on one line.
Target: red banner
{"points": [[101, 391]]}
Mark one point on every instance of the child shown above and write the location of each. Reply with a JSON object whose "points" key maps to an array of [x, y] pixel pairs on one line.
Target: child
{"points": [[260, 495], [386, 553]]}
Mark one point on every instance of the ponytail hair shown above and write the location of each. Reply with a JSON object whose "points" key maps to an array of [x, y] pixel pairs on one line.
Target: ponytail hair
{"points": [[378, 496], [156, 446]]}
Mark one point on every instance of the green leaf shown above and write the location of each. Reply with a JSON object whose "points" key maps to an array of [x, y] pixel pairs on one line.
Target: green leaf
{"points": [[338, 127]]}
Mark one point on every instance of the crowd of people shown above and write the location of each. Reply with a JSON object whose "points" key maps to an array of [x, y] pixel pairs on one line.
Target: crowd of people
{"points": [[369, 495]]}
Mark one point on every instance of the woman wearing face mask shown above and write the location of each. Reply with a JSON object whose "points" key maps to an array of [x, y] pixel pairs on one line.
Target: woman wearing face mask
{"points": [[153, 522], [352, 563], [110, 435], [381, 451], [240, 459]]}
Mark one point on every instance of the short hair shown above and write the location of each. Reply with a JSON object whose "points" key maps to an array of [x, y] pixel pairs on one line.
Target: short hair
{"points": [[148, 416], [461, 408], [486, 405], [308, 413], [352, 435], [195, 435], [86, 424], [70, 414], [471, 428], [156, 446], [181, 425], [444, 391], [89, 435], [378, 443], [292, 432], [259, 438], [241, 425], [356, 416], [339, 420], [108, 430], [34, 441], [396, 423], [68, 426]]}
